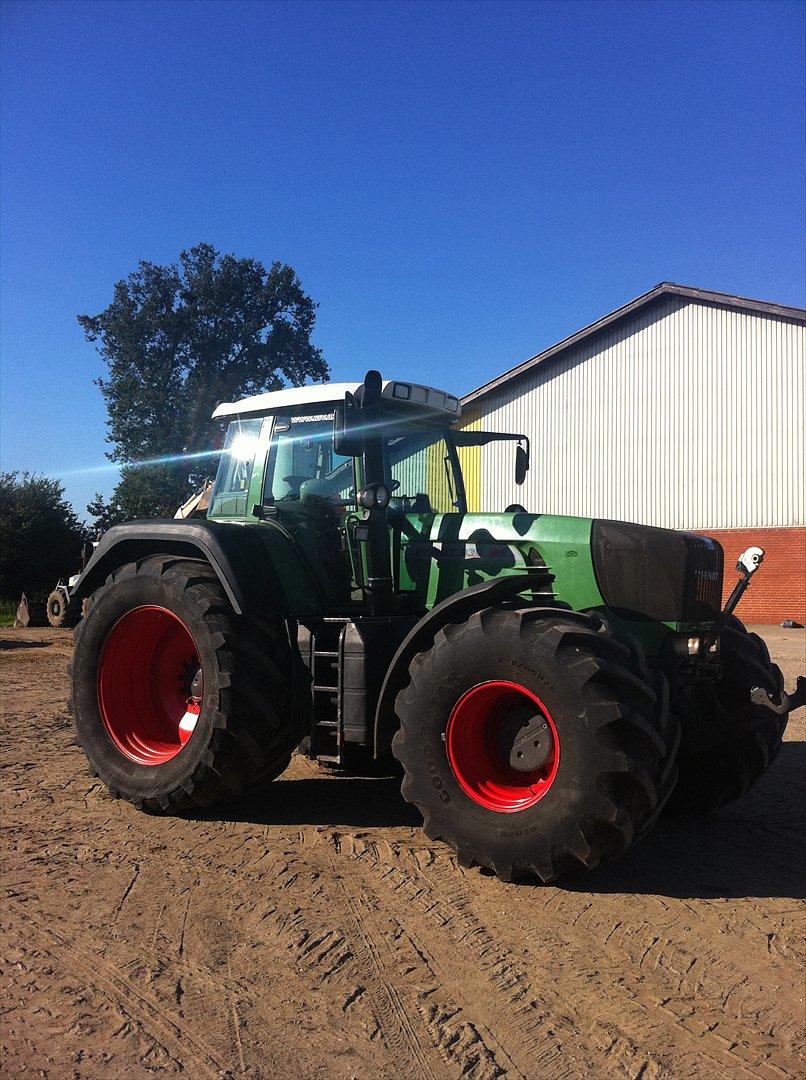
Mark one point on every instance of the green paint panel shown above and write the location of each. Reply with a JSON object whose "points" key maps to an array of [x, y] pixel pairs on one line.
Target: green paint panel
{"points": [[477, 547]]}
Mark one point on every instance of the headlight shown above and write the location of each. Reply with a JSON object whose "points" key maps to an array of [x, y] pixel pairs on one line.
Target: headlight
{"points": [[374, 495]]}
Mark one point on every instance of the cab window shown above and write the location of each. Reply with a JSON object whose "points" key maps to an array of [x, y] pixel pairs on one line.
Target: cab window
{"points": [[303, 464], [231, 488], [422, 472]]}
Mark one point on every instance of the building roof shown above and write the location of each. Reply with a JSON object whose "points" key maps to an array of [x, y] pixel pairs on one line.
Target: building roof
{"points": [[661, 291]]}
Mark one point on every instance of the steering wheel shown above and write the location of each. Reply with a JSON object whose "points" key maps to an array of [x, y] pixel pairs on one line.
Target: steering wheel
{"points": [[295, 482]]}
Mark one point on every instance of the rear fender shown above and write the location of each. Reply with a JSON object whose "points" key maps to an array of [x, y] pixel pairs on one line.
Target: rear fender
{"points": [[455, 609], [235, 553]]}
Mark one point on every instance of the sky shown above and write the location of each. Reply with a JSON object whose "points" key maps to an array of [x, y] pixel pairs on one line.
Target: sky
{"points": [[457, 185]]}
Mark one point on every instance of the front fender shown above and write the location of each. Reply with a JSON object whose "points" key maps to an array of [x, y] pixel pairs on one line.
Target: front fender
{"points": [[454, 609], [233, 550]]}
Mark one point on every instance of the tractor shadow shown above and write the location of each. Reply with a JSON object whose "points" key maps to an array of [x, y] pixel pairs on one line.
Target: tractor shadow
{"points": [[17, 644], [752, 848], [359, 802]]}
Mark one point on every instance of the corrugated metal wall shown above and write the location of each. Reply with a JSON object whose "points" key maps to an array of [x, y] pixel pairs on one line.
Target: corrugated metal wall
{"points": [[683, 415], [470, 460]]}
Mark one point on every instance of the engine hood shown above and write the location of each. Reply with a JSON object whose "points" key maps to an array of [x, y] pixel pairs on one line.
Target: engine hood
{"points": [[637, 571]]}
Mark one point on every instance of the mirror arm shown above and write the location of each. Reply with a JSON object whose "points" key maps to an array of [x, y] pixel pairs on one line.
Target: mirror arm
{"points": [[379, 578]]}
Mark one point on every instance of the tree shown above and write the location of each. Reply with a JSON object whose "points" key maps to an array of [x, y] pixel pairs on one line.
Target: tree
{"points": [[40, 536], [177, 340], [143, 492]]}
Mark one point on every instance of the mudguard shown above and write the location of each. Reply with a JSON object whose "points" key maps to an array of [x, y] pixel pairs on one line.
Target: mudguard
{"points": [[232, 549], [454, 609]]}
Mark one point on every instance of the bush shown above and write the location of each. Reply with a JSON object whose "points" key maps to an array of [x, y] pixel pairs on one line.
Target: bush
{"points": [[40, 536]]}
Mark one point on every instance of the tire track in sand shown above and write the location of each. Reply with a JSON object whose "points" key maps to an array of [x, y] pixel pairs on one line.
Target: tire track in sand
{"points": [[598, 1010]]}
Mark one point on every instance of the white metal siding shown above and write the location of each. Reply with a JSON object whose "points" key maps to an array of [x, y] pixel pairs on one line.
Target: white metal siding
{"points": [[683, 415]]}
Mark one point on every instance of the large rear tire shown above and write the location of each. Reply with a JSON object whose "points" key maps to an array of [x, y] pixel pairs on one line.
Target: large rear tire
{"points": [[535, 742], [728, 741], [178, 702]]}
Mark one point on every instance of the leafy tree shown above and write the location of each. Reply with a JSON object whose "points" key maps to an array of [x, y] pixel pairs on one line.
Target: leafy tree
{"points": [[40, 536], [179, 339], [143, 492]]}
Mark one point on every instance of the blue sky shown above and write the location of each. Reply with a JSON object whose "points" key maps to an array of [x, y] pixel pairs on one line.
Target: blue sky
{"points": [[457, 185]]}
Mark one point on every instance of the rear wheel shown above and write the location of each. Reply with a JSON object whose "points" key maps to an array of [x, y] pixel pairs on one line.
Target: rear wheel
{"points": [[178, 702], [728, 741], [534, 741]]}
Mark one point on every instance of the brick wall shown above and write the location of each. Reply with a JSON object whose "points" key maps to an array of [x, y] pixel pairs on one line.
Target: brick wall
{"points": [[778, 590]]}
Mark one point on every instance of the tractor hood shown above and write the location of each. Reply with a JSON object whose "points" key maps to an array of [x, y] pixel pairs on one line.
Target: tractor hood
{"points": [[665, 575], [643, 572]]}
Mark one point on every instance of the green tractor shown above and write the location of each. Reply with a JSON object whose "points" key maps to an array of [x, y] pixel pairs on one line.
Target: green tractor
{"points": [[545, 683]]}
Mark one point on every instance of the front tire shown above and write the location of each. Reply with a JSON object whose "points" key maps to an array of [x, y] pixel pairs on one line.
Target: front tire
{"points": [[728, 742], [592, 726], [178, 702]]}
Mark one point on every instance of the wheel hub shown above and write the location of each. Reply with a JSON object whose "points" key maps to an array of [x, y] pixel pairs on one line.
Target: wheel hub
{"points": [[523, 739], [197, 686], [502, 746], [150, 685]]}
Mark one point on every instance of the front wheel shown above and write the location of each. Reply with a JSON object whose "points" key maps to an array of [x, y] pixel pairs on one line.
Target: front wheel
{"points": [[728, 742], [535, 742], [179, 703]]}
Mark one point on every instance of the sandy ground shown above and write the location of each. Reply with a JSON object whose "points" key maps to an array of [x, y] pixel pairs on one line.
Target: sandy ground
{"points": [[316, 932]]}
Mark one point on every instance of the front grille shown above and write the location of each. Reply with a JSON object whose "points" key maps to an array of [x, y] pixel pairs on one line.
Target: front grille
{"points": [[657, 573]]}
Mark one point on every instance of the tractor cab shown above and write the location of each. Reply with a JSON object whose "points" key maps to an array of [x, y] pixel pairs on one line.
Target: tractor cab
{"points": [[282, 447], [332, 468]]}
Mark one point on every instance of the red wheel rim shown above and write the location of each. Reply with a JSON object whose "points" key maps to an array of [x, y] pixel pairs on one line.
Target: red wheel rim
{"points": [[478, 735], [146, 692]]}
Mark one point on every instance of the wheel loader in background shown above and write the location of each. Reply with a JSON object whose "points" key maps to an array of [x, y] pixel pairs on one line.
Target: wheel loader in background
{"points": [[63, 608], [547, 684]]}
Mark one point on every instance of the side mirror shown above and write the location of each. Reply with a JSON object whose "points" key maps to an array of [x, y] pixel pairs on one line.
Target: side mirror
{"points": [[521, 464], [347, 436]]}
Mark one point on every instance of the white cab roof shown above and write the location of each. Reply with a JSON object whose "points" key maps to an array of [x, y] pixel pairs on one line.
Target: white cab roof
{"points": [[333, 394]]}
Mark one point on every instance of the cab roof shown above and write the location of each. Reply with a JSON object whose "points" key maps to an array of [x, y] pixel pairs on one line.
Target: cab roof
{"points": [[403, 394]]}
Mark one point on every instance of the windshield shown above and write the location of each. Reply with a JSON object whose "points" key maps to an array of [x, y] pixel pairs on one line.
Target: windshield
{"points": [[231, 488], [423, 470], [421, 466], [303, 464]]}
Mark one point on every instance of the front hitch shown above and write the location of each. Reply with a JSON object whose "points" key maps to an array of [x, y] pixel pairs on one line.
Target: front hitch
{"points": [[749, 562], [787, 702]]}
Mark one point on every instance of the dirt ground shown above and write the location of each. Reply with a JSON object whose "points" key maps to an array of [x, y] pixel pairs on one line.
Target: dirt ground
{"points": [[316, 932]]}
